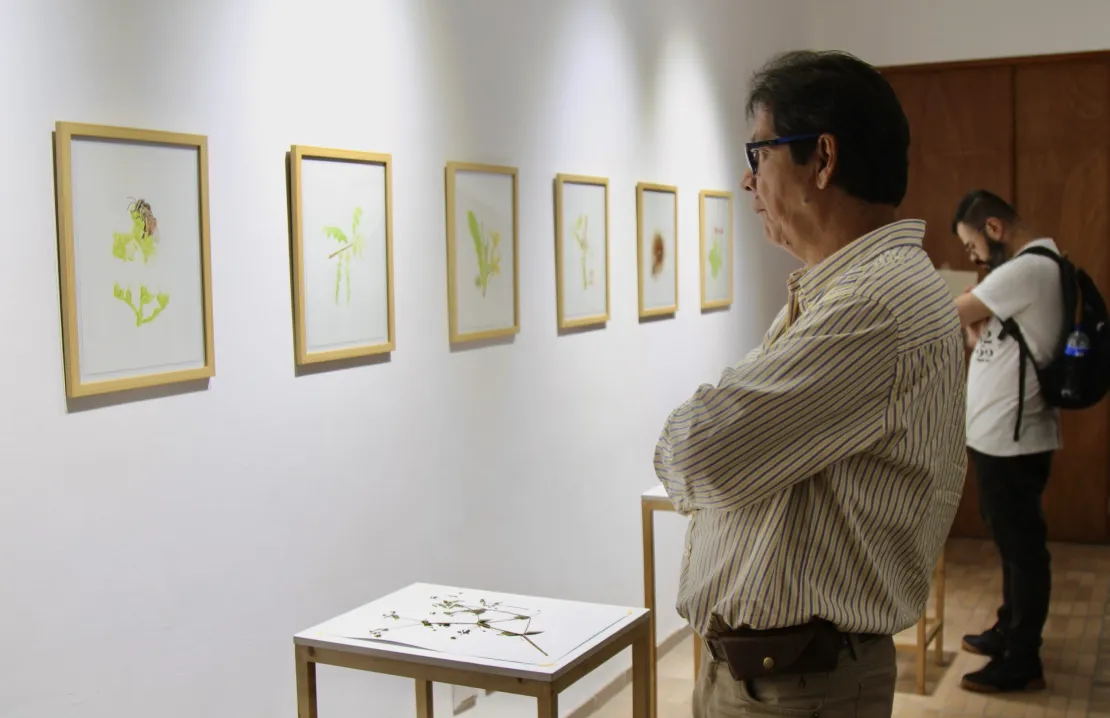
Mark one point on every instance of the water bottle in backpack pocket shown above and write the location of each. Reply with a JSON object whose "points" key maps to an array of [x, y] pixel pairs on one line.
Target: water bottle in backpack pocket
{"points": [[1072, 381]]}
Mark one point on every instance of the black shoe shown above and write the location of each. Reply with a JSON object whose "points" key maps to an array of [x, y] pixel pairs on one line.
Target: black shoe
{"points": [[1006, 675], [988, 643]]}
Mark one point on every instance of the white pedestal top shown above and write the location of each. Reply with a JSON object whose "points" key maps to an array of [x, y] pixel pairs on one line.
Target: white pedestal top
{"points": [[657, 498], [519, 636]]}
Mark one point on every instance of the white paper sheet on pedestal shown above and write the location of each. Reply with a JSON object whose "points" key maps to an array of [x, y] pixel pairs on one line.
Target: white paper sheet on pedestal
{"points": [[479, 624]]}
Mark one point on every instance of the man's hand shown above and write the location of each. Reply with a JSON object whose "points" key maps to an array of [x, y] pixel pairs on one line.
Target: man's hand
{"points": [[972, 332]]}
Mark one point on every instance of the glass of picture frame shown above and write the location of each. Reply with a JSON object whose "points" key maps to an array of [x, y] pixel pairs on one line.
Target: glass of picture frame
{"points": [[483, 292], [342, 253], [657, 249], [581, 250], [715, 248]]}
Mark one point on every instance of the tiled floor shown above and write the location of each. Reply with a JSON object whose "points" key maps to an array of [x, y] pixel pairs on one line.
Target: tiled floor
{"points": [[1076, 654]]}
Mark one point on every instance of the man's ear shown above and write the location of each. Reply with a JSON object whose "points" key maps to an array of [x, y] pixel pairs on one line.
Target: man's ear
{"points": [[993, 229], [826, 155]]}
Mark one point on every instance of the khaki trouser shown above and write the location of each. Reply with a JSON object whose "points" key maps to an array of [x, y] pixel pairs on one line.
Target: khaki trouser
{"points": [[862, 686]]}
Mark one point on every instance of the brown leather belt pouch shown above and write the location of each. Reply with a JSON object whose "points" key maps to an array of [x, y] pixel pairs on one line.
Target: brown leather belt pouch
{"points": [[810, 648]]}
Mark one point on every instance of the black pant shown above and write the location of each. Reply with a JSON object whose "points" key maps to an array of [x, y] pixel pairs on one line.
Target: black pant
{"points": [[1010, 489]]}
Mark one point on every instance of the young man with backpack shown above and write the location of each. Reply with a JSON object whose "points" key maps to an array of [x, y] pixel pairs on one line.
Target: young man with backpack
{"points": [[1041, 338]]}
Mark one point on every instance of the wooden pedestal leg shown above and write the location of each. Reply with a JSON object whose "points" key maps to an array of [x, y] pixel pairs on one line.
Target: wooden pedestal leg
{"points": [[648, 520], [940, 609], [306, 683], [643, 668], [424, 699], [922, 652], [549, 704]]}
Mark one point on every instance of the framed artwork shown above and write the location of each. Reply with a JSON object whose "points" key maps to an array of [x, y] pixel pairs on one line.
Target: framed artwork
{"points": [[482, 267], [134, 257], [581, 250], [342, 249], [715, 251], [657, 248]]}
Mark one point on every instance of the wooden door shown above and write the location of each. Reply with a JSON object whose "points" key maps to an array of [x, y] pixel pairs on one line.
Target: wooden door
{"points": [[1062, 112], [962, 138]]}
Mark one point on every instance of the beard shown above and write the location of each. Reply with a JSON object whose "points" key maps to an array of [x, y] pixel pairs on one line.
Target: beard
{"points": [[998, 255]]}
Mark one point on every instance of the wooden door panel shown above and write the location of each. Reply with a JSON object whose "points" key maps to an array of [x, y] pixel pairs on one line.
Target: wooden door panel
{"points": [[962, 138], [955, 146], [1063, 189]]}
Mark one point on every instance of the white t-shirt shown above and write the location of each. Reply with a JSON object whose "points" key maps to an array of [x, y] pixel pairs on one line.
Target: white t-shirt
{"points": [[1026, 288]]}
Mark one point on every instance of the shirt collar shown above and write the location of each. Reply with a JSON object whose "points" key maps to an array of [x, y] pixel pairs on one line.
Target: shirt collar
{"points": [[811, 282]]}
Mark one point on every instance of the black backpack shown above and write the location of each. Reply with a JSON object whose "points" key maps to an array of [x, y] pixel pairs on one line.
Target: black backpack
{"points": [[1069, 382]]}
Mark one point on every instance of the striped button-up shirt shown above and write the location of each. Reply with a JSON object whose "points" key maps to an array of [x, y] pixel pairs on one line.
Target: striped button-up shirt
{"points": [[822, 473]]}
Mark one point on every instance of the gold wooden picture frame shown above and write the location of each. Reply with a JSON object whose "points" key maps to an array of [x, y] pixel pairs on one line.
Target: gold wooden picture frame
{"points": [[715, 248], [657, 249], [482, 206], [581, 290], [341, 210], [134, 258]]}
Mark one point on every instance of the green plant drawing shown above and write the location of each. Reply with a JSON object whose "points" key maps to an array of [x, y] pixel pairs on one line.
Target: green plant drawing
{"points": [[352, 248], [485, 247], [452, 606], [143, 239], [715, 258], [581, 236], [145, 299]]}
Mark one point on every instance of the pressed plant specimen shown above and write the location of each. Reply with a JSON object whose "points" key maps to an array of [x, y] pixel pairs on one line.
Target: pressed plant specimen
{"points": [[485, 248], [352, 248], [142, 240], [658, 251], [716, 257], [463, 617], [581, 236]]}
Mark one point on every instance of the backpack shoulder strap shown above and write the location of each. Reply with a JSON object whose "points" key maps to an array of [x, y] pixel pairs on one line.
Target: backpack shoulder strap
{"points": [[1067, 279], [1024, 356], [1069, 276], [1041, 252]]}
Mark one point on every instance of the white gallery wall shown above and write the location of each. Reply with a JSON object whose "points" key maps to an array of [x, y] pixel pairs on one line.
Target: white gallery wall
{"points": [[158, 553]]}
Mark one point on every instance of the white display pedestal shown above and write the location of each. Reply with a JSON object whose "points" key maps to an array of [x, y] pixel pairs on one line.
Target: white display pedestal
{"points": [[329, 643]]}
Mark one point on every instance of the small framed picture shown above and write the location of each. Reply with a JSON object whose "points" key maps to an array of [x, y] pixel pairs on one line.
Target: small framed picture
{"points": [[715, 209], [581, 250], [482, 243], [134, 255], [657, 248], [342, 250]]}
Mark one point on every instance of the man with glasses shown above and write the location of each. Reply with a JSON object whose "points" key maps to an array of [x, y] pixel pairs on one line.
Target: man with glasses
{"points": [[1012, 432], [822, 473]]}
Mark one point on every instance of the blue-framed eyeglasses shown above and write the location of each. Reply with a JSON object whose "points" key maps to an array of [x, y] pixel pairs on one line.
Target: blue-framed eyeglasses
{"points": [[751, 149]]}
